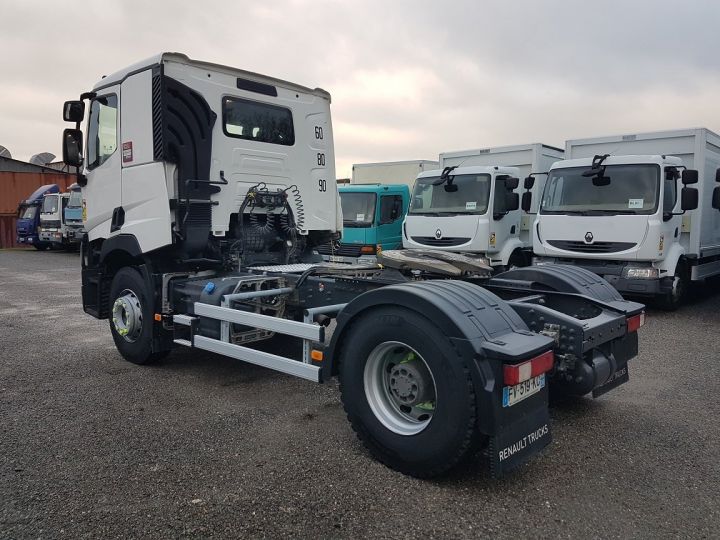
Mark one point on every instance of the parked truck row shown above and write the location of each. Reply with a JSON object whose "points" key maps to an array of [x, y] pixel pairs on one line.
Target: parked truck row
{"points": [[208, 191], [639, 210], [50, 219]]}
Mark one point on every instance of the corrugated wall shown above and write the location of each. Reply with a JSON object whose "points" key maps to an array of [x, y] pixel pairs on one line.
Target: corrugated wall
{"points": [[17, 186]]}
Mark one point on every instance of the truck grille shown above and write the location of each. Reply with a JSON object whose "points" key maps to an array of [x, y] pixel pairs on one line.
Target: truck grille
{"points": [[343, 250], [440, 242], [595, 247]]}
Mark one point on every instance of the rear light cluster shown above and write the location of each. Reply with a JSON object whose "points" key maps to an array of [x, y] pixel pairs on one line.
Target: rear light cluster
{"points": [[515, 374], [635, 322]]}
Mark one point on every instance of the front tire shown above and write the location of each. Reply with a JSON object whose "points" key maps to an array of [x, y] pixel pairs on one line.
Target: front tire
{"points": [[41, 246], [407, 392], [674, 298], [131, 317]]}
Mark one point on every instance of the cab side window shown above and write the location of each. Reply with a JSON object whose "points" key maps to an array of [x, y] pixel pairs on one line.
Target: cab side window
{"points": [[102, 130], [390, 208]]}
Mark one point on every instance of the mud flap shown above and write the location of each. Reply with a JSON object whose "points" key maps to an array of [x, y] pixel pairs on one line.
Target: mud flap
{"points": [[519, 440]]}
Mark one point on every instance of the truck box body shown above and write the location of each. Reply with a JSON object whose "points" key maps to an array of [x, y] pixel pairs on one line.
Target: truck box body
{"points": [[698, 149], [391, 172]]}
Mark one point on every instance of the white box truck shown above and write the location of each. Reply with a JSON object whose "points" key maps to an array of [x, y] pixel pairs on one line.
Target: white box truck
{"points": [[480, 221], [624, 207], [391, 172]]}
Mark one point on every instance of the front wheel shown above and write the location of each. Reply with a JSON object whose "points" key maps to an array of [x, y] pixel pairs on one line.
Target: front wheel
{"points": [[674, 298], [407, 392], [131, 317], [41, 246]]}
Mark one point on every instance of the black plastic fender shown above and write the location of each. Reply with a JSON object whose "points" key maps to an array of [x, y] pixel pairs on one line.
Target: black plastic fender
{"points": [[488, 334], [564, 278]]}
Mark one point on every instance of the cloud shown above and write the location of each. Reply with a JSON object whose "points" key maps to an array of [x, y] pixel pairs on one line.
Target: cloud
{"points": [[409, 79]]}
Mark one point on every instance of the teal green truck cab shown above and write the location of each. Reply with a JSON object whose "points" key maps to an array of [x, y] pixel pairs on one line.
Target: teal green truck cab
{"points": [[372, 220]]}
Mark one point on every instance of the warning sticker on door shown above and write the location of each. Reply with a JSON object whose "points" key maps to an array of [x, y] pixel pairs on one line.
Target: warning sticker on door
{"points": [[635, 203], [471, 205], [127, 152]]}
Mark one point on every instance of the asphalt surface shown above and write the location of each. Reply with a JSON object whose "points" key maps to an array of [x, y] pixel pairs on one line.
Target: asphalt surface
{"points": [[203, 446]]}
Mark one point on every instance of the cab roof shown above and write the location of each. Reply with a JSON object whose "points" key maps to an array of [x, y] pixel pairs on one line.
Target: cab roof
{"points": [[373, 188], [474, 169], [180, 58], [618, 160]]}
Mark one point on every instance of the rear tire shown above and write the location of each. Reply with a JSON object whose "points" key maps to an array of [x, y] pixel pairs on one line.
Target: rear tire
{"points": [[421, 422], [131, 317]]}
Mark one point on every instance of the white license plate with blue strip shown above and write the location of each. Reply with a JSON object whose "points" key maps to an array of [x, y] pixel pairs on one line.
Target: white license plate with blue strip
{"points": [[515, 394]]}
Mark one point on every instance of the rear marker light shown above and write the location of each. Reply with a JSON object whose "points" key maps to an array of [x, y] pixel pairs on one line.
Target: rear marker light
{"points": [[515, 374], [635, 322]]}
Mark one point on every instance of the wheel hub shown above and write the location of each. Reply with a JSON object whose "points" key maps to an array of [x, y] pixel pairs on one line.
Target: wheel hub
{"points": [[127, 316], [408, 383]]}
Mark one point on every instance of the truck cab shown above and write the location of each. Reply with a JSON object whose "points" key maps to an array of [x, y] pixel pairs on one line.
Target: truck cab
{"points": [[372, 221], [51, 230], [28, 221], [472, 210], [618, 216], [73, 218]]}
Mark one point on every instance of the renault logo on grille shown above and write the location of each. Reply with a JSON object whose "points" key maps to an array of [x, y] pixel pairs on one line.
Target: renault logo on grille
{"points": [[588, 237], [438, 234]]}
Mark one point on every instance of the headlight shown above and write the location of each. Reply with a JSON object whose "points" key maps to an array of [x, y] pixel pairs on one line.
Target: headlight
{"points": [[647, 272]]}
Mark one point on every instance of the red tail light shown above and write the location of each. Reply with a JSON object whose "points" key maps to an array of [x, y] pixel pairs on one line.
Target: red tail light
{"points": [[635, 322], [515, 374]]}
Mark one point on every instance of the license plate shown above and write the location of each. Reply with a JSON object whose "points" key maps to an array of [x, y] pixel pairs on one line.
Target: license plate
{"points": [[335, 258], [515, 394]]}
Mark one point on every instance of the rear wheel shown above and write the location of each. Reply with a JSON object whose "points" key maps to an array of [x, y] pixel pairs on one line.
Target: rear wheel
{"points": [[407, 392], [131, 317]]}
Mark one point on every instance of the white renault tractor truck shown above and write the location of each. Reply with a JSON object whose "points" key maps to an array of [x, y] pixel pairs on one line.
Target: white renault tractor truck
{"points": [[638, 210], [476, 212], [206, 190]]}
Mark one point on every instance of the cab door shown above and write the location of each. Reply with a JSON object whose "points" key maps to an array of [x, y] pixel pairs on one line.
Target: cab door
{"points": [[504, 220], [101, 195], [390, 217]]}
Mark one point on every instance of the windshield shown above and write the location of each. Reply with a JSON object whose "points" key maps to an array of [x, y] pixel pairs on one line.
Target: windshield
{"points": [[75, 200], [471, 197], [50, 204], [28, 212], [630, 189], [358, 209]]}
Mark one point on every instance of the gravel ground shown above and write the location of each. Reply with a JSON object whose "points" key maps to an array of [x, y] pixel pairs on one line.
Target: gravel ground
{"points": [[204, 446]]}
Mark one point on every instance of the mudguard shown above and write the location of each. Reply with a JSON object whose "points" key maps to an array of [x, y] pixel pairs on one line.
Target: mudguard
{"points": [[487, 334]]}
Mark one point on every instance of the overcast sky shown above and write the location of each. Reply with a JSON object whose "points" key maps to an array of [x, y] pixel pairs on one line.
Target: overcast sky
{"points": [[409, 79]]}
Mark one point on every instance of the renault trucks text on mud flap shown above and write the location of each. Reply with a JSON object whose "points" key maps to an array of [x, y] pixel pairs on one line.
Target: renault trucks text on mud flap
{"points": [[28, 221], [207, 190]]}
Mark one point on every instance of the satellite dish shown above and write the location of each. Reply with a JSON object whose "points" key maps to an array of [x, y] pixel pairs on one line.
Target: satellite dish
{"points": [[42, 159], [4, 152]]}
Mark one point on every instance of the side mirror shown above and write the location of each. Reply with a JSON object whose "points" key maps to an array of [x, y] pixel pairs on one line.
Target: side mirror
{"points": [[717, 175], [529, 182], [72, 147], [512, 201], [716, 198], [73, 111], [689, 198], [689, 176], [526, 201], [511, 183]]}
